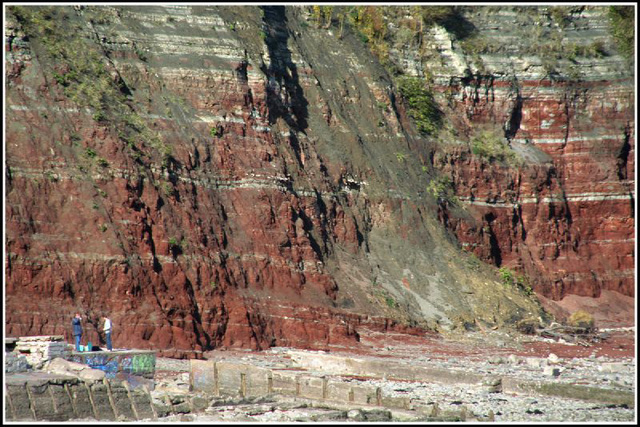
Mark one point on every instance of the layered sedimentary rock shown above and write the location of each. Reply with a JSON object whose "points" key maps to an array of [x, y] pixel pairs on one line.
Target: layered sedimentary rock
{"points": [[225, 176], [570, 224], [565, 214]]}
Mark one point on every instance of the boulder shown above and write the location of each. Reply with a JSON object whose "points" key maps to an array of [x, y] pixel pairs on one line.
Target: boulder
{"points": [[65, 367], [90, 374]]}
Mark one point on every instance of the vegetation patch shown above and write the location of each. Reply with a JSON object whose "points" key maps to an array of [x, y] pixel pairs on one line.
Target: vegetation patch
{"points": [[168, 189], [322, 15], [422, 105], [489, 144], [369, 23], [90, 153], [582, 320], [561, 15], [176, 247], [215, 132], [622, 21], [78, 66], [511, 279], [384, 297], [441, 187]]}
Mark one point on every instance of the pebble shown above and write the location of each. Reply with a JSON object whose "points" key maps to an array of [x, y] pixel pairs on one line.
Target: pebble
{"points": [[535, 362], [612, 367], [553, 358]]}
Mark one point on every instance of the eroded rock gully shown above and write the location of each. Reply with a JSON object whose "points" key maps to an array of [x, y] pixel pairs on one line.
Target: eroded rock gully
{"points": [[227, 177]]}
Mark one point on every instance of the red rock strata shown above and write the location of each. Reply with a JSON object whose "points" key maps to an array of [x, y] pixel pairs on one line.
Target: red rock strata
{"points": [[565, 215], [238, 191], [568, 222]]}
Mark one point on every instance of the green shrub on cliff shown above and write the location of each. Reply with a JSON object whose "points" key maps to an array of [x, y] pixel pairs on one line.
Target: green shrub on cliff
{"points": [[561, 15], [422, 106], [369, 23], [622, 21], [78, 65], [322, 15], [391, 303], [510, 279], [215, 132], [441, 188], [490, 145]]}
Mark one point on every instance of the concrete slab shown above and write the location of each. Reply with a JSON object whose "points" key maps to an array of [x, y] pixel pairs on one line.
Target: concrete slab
{"points": [[137, 367], [202, 376]]}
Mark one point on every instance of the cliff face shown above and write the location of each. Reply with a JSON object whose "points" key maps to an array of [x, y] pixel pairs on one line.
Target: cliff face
{"points": [[550, 82], [233, 176], [565, 218]]}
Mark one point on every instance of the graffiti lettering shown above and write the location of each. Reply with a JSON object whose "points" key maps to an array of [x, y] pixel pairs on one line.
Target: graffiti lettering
{"points": [[99, 361], [125, 366], [143, 364]]}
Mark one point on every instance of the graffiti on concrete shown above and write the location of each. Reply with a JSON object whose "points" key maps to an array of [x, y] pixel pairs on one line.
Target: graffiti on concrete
{"points": [[102, 361], [134, 368], [139, 364], [203, 375]]}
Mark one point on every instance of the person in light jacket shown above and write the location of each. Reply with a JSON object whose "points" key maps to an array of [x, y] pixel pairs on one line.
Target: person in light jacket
{"points": [[107, 332], [77, 330]]}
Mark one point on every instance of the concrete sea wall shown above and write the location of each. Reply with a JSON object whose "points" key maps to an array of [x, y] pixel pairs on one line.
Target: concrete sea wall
{"points": [[51, 397], [245, 380], [136, 367], [328, 378], [35, 390]]}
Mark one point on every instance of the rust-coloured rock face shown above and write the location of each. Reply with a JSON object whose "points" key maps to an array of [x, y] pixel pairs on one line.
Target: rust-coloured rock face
{"points": [[228, 177], [562, 210], [565, 218]]}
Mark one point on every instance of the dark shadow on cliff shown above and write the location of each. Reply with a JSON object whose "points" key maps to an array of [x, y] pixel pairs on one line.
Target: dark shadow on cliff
{"points": [[451, 18], [285, 96], [455, 23]]}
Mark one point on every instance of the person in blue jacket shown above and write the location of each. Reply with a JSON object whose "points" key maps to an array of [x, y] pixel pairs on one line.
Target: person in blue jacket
{"points": [[77, 330]]}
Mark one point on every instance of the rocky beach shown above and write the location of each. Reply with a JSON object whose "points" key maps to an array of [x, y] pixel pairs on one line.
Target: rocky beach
{"points": [[605, 365]]}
